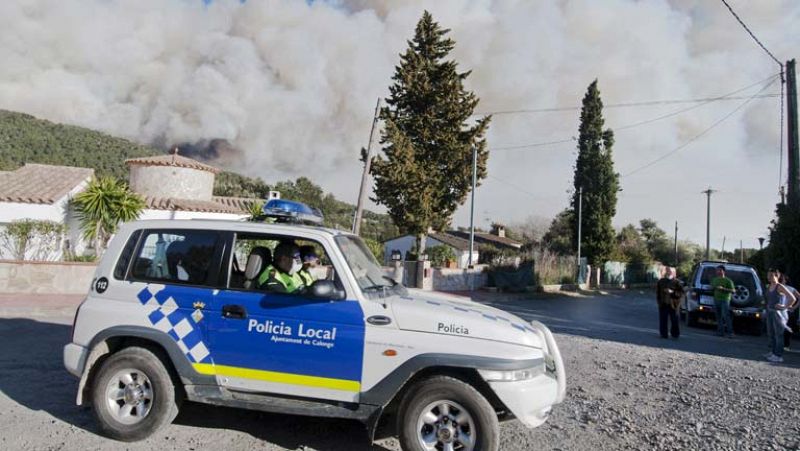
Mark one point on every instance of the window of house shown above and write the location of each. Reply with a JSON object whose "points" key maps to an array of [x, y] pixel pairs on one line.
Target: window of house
{"points": [[175, 256]]}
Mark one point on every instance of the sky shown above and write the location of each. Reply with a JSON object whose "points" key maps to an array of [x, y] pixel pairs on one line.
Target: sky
{"points": [[292, 85]]}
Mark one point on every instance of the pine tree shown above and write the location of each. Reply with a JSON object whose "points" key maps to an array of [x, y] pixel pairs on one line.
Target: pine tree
{"points": [[595, 176], [426, 172]]}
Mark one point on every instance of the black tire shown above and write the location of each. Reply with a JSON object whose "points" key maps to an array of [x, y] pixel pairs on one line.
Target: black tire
{"points": [[486, 435], [164, 400]]}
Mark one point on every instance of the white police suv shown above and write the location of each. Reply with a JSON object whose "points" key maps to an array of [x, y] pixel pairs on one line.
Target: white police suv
{"points": [[176, 312]]}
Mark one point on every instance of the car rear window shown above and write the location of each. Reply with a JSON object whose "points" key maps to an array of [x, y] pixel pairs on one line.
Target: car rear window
{"points": [[743, 277]]}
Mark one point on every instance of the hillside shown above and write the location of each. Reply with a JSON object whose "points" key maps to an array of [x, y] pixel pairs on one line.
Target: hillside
{"points": [[24, 138]]}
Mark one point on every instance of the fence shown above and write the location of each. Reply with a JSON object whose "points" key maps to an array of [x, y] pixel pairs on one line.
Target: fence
{"points": [[621, 273]]}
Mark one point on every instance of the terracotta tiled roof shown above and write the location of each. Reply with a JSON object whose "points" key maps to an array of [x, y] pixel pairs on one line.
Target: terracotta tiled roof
{"points": [[170, 203], [239, 203], [172, 160], [488, 238], [41, 183]]}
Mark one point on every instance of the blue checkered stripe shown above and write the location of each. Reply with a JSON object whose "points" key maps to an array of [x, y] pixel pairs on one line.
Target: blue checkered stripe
{"points": [[500, 319], [166, 316]]}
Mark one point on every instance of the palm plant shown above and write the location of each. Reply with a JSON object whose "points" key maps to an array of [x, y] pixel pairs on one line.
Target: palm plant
{"points": [[255, 210], [102, 206]]}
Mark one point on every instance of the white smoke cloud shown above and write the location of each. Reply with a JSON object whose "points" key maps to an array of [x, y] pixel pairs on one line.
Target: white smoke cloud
{"points": [[293, 86]]}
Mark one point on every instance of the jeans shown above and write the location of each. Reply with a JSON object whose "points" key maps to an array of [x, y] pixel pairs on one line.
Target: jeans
{"points": [[775, 332], [724, 320], [668, 314]]}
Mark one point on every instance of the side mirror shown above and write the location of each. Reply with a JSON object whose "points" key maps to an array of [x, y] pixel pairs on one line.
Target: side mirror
{"points": [[326, 289]]}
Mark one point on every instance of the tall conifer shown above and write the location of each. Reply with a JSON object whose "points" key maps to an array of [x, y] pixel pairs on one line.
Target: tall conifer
{"points": [[594, 174], [426, 170]]}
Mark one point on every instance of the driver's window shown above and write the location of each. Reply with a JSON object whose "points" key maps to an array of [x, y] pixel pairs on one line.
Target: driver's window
{"points": [[278, 263]]}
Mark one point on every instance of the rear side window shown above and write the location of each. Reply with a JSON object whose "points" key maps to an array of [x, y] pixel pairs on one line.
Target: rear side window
{"points": [[125, 257], [175, 256]]}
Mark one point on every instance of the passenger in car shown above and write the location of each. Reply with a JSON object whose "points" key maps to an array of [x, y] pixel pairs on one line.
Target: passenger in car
{"points": [[310, 261], [282, 276]]}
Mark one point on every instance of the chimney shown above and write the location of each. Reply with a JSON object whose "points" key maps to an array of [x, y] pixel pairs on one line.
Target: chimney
{"points": [[499, 230]]}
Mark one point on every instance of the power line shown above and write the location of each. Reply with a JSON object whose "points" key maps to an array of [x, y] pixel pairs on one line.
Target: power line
{"points": [[698, 136], [705, 101], [751, 34]]}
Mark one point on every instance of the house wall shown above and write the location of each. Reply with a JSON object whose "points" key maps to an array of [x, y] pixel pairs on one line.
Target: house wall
{"points": [[406, 243], [171, 181]]}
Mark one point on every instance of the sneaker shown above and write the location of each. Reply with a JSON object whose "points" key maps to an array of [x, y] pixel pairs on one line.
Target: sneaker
{"points": [[775, 359], [730, 335], [769, 355]]}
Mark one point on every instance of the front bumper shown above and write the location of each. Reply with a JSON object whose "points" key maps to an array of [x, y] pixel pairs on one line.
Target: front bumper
{"points": [[75, 359], [531, 400]]}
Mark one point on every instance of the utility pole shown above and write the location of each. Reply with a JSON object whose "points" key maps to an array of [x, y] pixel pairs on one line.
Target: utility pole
{"points": [[676, 244], [472, 205], [708, 193], [580, 222], [741, 252], [362, 192], [792, 138], [724, 238]]}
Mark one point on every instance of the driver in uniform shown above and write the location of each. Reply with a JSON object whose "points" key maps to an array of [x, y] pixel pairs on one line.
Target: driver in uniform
{"points": [[283, 275]]}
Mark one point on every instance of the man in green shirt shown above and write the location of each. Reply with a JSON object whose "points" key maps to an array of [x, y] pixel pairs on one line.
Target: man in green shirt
{"points": [[723, 290]]}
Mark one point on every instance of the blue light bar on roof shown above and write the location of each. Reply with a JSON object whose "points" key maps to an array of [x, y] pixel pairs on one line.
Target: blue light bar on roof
{"points": [[290, 211]]}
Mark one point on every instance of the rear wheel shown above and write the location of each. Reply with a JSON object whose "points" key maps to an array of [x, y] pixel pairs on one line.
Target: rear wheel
{"points": [[446, 414], [133, 395]]}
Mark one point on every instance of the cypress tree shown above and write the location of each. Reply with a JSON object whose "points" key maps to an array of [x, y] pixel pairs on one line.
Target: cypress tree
{"points": [[594, 174], [425, 171]]}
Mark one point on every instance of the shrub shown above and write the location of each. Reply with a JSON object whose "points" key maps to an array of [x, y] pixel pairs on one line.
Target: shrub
{"points": [[29, 239]]}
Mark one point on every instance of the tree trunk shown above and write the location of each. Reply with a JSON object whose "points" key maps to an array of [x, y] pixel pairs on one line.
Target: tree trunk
{"points": [[422, 239]]}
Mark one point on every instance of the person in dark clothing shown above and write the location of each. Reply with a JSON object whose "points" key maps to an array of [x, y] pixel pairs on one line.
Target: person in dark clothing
{"points": [[793, 314], [669, 293]]}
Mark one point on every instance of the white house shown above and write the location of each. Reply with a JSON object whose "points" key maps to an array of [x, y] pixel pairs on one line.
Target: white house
{"points": [[173, 186], [404, 244], [43, 192]]}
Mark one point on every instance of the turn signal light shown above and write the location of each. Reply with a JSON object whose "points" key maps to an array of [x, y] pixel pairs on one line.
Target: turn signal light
{"points": [[390, 353]]}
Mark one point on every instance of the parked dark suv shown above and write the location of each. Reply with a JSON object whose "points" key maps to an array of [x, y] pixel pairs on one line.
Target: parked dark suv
{"points": [[747, 304]]}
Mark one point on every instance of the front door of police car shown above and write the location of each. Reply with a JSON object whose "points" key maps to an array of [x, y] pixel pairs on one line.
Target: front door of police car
{"points": [[284, 343]]}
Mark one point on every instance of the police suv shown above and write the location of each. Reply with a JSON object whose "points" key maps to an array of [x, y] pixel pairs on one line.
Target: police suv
{"points": [[175, 313]]}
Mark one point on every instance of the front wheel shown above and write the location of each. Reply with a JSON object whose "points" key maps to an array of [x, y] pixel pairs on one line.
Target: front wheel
{"points": [[133, 395], [446, 414]]}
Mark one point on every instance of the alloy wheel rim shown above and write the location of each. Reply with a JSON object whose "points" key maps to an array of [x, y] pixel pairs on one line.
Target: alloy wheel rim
{"points": [[129, 396], [446, 426]]}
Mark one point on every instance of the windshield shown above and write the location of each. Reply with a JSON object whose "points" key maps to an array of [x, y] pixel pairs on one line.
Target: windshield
{"points": [[369, 275]]}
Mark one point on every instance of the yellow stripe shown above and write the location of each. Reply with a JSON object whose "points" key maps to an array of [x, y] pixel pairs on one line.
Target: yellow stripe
{"points": [[281, 378]]}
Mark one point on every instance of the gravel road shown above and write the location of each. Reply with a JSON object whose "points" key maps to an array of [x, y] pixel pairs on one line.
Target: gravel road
{"points": [[628, 389]]}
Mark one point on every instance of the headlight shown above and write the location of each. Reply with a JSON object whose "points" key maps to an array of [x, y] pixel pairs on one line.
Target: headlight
{"points": [[512, 375]]}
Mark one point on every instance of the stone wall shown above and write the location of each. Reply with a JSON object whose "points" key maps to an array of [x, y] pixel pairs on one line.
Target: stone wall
{"points": [[172, 181], [459, 279], [45, 277]]}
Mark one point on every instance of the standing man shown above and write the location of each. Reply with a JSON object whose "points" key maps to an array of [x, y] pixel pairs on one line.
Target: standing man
{"points": [[723, 291], [669, 293], [793, 313]]}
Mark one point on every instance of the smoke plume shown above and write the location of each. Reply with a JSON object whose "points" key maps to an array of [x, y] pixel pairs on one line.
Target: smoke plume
{"points": [[287, 88]]}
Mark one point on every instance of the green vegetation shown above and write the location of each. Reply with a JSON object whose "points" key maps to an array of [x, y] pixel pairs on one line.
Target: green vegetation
{"points": [[426, 170], [595, 176], [784, 246], [102, 206], [440, 255], [24, 138]]}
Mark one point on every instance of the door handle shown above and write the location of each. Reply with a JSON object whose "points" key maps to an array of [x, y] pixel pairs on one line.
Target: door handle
{"points": [[379, 320], [234, 312]]}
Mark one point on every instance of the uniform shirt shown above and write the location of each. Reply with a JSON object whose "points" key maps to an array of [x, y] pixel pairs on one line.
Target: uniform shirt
{"points": [[280, 282], [722, 282], [306, 277]]}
